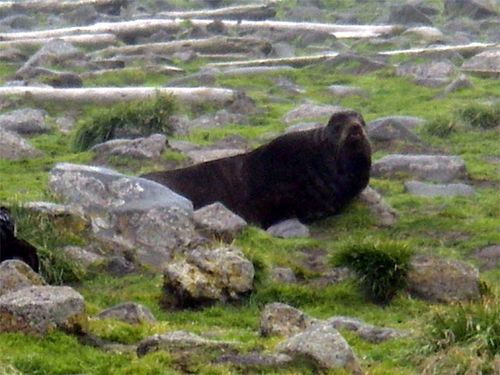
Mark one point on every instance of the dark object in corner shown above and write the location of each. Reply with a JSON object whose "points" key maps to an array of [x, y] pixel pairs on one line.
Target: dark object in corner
{"points": [[308, 175], [12, 247]]}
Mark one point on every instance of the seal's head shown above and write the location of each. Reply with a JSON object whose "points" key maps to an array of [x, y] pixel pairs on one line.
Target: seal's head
{"points": [[346, 130]]}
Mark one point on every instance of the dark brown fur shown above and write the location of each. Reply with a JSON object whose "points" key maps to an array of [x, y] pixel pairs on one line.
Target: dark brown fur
{"points": [[307, 175], [12, 247]]}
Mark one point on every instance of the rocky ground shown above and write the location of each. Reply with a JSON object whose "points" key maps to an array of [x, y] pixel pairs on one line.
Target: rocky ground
{"points": [[135, 281]]}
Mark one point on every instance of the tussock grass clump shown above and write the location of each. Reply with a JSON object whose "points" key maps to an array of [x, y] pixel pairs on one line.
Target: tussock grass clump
{"points": [[440, 127], [55, 267], [140, 118], [463, 338], [382, 267], [480, 116]]}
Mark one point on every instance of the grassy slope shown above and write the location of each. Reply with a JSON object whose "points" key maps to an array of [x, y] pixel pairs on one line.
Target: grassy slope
{"points": [[452, 227]]}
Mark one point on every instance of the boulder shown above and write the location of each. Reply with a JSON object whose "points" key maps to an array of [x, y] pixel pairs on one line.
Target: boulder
{"points": [[15, 275], [41, 309], [14, 147], [58, 79], [65, 123], [365, 331], [324, 347], [437, 279], [408, 122], [218, 221], [25, 121], [423, 189], [431, 73], [459, 83], [181, 341], [291, 228], [342, 91], [284, 320], [128, 312], [206, 276], [137, 215], [283, 275], [350, 63], [407, 14], [204, 155], [53, 52], [310, 111], [437, 168], [487, 62], [476, 9], [140, 148], [256, 360], [59, 214], [383, 213], [82, 256], [391, 129], [303, 126], [425, 33], [488, 257]]}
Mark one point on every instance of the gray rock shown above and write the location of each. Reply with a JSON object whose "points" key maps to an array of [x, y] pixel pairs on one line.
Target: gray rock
{"points": [[488, 257], [218, 119], [349, 63], [13, 147], [282, 50], [137, 215], [284, 320], [409, 122], [256, 360], [438, 190], [119, 266], [291, 228], [252, 70], [81, 16], [207, 276], [332, 277], [283, 275], [324, 347], [24, 121], [431, 73], [180, 341], [53, 52], [425, 33], [365, 331], [202, 156], [437, 168], [218, 221], [476, 9], [303, 126], [41, 309], [462, 82], [142, 148], [437, 279], [383, 213], [128, 312], [288, 86], [65, 123], [83, 256], [56, 78], [487, 62], [392, 128], [18, 22], [310, 111], [407, 14], [342, 91], [15, 275]]}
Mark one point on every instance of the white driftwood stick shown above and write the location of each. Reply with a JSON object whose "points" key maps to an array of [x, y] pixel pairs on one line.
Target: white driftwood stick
{"points": [[257, 11], [53, 5], [107, 95], [217, 44], [154, 25], [290, 61], [83, 40], [472, 47]]}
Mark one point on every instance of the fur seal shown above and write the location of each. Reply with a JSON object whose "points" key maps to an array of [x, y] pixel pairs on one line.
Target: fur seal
{"points": [[12, 247], [308, 175]]}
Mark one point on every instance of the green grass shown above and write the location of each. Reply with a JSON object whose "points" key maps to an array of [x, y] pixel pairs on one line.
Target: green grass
{"points": [[451, 227]]}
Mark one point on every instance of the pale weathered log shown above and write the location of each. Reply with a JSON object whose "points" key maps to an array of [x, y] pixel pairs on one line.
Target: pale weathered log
{"points": [[461, 48], [107, 95], [247, 12], [83, 40], [290, 61], [148, 26], [53, 6], [218, 44]]}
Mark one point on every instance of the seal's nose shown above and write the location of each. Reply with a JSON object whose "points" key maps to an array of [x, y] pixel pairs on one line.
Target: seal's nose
{"points": [[356, 131]]}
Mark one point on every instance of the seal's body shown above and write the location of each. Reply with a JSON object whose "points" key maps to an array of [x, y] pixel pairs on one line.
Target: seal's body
{"points": [[307, 175], [12, 247]]}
